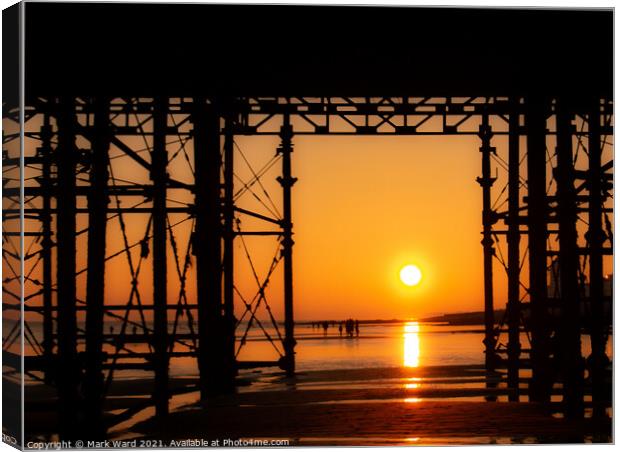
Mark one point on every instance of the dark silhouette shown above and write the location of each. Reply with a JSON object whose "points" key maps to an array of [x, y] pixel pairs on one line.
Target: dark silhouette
{"points": [[351, 327]]}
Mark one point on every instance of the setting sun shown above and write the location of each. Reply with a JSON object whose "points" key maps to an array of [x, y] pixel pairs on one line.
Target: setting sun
{"points": [[410, 275]]}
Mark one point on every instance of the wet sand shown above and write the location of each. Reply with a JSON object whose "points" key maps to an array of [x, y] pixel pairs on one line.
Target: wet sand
{"points": [[397, 406], [372, 406], [365, 423]]}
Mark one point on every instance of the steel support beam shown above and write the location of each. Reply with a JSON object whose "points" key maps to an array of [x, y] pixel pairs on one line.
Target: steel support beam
{"points": [[513, 238], [568, 346], [159, 162], [536, 124], [215, 362], [230, 322], [68, 368], [596, 238], [287, 182], [488, 219], [95, 282], [45, 153]]}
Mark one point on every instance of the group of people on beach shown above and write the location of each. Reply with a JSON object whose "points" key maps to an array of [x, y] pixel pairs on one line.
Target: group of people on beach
{"points": [[350, 326]]}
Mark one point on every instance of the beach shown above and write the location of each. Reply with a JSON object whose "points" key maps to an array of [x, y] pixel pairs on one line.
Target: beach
{"points": [[381, 388], [390, 406]]}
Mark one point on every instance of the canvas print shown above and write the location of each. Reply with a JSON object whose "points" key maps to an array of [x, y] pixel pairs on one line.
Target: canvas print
{"points": [[293, 225]]}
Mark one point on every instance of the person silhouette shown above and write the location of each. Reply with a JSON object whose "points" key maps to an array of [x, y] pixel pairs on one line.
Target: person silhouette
{"points": [[357, 328], [340, 328], [349, 327]]}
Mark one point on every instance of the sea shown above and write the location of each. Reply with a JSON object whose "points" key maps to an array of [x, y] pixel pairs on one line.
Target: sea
{"points": [[378, 345]]}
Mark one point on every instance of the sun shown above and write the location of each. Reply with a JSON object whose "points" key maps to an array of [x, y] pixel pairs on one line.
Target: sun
{"points": [[410, 275]]}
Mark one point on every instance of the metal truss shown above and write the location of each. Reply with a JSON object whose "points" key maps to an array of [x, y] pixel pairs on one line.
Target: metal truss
{"points": [[549, 321], [336, 115]]}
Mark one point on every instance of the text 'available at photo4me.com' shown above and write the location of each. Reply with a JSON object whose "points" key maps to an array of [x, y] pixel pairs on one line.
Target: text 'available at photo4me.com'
{"points": [[157, 443]]}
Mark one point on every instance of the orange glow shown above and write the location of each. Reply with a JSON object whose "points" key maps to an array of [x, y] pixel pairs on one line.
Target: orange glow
{"points": [[365, 207]]}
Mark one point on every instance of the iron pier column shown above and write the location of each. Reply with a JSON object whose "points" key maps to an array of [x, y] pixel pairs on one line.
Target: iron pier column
{"points": [[215, 362], [513, 238], [229, 237], [97, 218], [488, 219], [44, 152], [536, 124], [159, 163], [569, 346], [596, 239], [68, 367], [287, 182]]}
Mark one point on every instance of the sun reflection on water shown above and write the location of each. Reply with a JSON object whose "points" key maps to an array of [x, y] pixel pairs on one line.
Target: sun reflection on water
{"points": [[412, 345]]}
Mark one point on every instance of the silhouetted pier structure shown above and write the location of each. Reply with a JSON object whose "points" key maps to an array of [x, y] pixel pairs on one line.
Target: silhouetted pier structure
{"points": [[535, 86]]}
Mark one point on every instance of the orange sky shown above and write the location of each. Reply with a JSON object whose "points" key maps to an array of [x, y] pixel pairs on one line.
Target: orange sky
{"points": [[366, 206], [363, 208]]}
